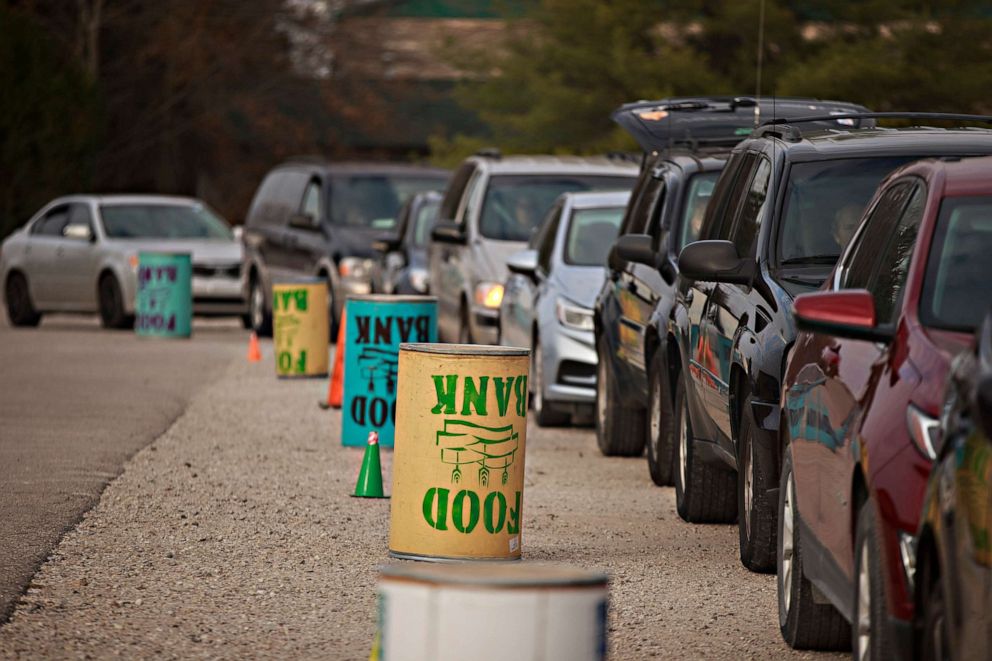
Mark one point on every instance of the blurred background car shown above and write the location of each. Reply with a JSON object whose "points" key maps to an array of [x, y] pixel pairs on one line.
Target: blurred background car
{"points": [[953, 577], [547, 305], [489, 212], [862, 400], [401, 266], [80, 254], [311, 217]]}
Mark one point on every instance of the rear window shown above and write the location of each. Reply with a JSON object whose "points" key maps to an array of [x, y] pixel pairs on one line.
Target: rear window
{"points": [[956, 293], [162, 221], [372, 201], [515, 205], [591, 234]]}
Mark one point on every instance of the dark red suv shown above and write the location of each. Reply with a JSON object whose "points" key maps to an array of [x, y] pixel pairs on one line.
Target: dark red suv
{"points": [[861, 404]]}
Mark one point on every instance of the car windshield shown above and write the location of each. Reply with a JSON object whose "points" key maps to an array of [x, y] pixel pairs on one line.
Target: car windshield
{"points": [[515, 205], [162, 221], [422, 224], [697, 198], [824, 205], [956, 291], [591, 234], [372, 201]]}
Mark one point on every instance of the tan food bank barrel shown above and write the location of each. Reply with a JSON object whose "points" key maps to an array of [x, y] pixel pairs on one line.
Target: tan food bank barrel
{"points": [[458, 464], [491, 611], [299, 327]]}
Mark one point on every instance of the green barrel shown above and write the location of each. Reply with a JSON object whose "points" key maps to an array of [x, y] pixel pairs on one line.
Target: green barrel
{"points": [[164, 303]]}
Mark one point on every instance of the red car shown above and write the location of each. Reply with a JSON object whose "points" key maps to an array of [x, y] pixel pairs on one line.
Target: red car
{"points": [[861, 404]]}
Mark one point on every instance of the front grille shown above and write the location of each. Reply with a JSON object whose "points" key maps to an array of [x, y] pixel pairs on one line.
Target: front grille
{"points": [[217, 270]]}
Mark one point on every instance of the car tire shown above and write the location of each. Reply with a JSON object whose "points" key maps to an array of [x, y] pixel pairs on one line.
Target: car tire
{"points": [[804, 623], [660, 427], [704, 493], [260, 321], [20, 309], [869, 630], [619, 430], [111, 304], [756, 511], [464, 329], [544, 412], [933, 635]]}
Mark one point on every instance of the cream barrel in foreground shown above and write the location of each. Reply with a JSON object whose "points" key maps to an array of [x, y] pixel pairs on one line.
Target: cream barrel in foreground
{"points": [[299, 327], [491, 611], [458, 467]]}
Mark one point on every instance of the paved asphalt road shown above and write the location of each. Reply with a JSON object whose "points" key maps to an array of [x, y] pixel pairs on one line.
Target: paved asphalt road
{"points": [[76, 402]]}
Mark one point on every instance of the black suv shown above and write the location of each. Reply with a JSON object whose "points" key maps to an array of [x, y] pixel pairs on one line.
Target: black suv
{"points": [[686, 142], [783, 210], [315, 218]]}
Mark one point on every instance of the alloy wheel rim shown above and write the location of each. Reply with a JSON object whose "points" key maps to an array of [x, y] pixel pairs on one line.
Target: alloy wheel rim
{"points": [[683, 444], [601, 394], [863, 615], [788, 544], [538, 380], [257, 303], [655, 420], [748, 486]]}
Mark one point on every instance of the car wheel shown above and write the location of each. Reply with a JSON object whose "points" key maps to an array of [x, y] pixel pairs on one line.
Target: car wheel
{"points": [[755, 509], [261, 321], [111, 303], [544, 413], [20, 308], [619, 430], [332, 315], [805, 624], [934, 639], [661, 426], [704, 493], [869, 633], [465, 330]]}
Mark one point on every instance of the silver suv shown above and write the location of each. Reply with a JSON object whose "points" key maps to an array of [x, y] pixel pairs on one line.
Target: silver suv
{"points": [[490, 210]]}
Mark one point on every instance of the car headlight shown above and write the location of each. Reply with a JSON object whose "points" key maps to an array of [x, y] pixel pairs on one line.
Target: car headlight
{"points": [[572, 316], [489, 294], [418, 280], [355, 268]]}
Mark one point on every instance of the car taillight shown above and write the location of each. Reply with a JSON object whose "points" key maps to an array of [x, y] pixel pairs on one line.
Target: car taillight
{"points": [[924, 430]]}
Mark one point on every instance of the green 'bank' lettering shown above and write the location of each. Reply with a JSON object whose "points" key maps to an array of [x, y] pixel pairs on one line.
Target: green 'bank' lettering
{"points": [[441, 496], [520, 389], [458, 511], [503, 393], [475, 396], [444, 386]]}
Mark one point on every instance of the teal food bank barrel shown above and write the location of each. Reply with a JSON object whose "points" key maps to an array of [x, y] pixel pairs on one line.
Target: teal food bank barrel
{"points": [[164, 303], [374, 328]]}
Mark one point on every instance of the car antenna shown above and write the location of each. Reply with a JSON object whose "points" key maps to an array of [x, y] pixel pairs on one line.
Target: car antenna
{"points": [[760, 61]]}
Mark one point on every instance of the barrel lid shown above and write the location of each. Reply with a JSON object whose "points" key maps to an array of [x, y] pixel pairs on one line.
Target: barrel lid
{"points": [[392, 298], [299, 280], [494, 574], [463, 349], [162, 253]]}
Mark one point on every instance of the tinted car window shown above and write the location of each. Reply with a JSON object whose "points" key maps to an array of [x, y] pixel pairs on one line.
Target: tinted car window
{"points": [[264, 205], [591, 234], [746, 228], [162, 221], [514, 205], [453, 196], [424, 222], [53, 222], [288, 195], [824, 201], [956, 293], [372, 201], [545, 239], [716, 224], [893, 267], [878, 228], [697, 197], [633, 219], [311, 200]]}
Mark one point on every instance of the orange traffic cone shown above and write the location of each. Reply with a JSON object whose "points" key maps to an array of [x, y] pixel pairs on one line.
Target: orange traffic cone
{"points": [[335, 388], [254, 352]]}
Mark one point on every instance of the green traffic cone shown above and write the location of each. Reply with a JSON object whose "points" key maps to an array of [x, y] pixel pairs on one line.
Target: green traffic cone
{"points": [[370, 477]]}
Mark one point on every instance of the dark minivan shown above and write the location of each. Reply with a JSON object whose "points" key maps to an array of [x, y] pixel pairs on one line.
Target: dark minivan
{"points": [[317, 218]]}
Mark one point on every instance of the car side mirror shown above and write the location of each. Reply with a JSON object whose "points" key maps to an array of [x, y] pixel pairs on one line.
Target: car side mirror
{"points": [[303, 221], [523, 262], [848, 313], [78, 232], [637, 248], [449, 232], [716, 261]]}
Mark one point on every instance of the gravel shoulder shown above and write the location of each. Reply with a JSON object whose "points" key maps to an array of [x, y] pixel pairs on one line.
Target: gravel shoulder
{"points": [[233, 535]]}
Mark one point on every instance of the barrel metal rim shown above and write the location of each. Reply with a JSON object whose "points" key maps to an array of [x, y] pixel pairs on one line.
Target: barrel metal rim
{"points": [[471, 350], [391, 298], [494, 575], [299, 280], [163, 253]]}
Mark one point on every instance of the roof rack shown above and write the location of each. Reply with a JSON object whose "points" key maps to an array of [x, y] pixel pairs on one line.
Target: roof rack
{"points": [[490, 152], [782, 127]]}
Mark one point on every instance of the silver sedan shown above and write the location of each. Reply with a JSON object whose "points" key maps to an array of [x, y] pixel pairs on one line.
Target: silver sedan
{"points": [[548, 300], [80, 254]]}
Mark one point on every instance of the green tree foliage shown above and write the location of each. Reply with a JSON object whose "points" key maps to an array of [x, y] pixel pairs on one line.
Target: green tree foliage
{"points": [[50, 121]]}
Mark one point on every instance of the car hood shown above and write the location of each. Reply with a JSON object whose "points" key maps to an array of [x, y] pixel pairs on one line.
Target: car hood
{"points": [[580, 284], [357, 241], [202, 251], [489, 258]]}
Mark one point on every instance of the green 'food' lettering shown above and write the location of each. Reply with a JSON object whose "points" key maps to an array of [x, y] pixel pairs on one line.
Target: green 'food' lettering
{"points": [[458, 511], [487, 518], [475, 396], [444, 386], [441, 496], [513, 526]]}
